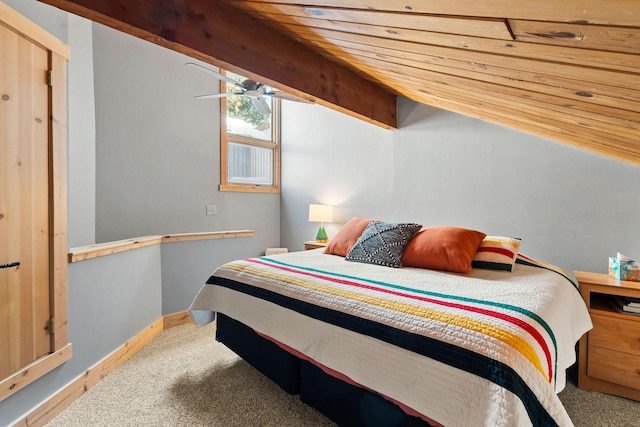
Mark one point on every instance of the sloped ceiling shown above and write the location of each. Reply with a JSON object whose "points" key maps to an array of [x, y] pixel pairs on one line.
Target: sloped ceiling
{"points": [[565, 70]]}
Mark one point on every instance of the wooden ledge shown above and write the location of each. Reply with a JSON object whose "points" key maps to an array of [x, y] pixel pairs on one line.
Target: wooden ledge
{"points": [[101, 249], [207, 236]]}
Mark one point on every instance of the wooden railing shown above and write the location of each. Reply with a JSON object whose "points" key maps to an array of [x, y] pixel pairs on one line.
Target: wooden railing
{"points": [[101, 249]]}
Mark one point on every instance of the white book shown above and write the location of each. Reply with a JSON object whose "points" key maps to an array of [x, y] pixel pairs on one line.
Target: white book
{"points": [[631, 309]]}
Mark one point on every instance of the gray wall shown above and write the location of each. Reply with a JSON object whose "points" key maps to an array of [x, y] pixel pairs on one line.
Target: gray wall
{"points": [[82, 135], [572, 208], [158, 149], [187, 265]]}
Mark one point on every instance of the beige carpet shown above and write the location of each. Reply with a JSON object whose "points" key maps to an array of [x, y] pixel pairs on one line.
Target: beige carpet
{"points": [[185, 378]]}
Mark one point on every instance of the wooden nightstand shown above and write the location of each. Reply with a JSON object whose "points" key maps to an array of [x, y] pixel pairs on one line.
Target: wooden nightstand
{"points": [[312, 244], [610, 352]]}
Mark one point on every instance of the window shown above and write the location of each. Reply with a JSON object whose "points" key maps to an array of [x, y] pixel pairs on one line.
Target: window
{"points": [[249, 140]]}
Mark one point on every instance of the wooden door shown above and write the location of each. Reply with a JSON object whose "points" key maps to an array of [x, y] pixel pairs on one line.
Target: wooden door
{"points": [[25, 306]]}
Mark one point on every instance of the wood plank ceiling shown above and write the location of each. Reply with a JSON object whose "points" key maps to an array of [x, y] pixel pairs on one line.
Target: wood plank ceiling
{"points": [[565, 70]]}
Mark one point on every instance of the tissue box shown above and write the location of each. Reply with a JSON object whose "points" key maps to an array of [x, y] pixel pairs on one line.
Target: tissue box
{"points": [[624, 269]]}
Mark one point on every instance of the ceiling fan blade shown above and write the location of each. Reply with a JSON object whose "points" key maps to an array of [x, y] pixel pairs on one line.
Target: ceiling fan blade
{"points": [[213, 73], [213, 95], [261, 105], [288, 97]]}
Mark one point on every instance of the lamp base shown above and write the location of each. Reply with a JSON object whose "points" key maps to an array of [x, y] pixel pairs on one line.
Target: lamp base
{"points": [[322, 237]]}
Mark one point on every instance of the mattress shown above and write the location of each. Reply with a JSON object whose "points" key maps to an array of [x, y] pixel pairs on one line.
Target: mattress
{"points": [[484, 348]]}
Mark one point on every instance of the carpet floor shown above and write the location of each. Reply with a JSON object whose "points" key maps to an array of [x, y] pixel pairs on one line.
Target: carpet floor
{"points": [[185, 378]]}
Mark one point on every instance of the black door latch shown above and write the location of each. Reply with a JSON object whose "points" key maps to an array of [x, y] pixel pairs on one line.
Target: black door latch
{"points": [[10, 264]]}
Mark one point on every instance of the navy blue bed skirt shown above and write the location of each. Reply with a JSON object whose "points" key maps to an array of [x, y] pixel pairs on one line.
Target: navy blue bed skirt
{"points": [[343, 403]]}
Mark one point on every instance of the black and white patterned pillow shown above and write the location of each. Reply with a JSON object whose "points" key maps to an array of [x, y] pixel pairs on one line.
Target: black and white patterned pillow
{"points": [[383, 243]]}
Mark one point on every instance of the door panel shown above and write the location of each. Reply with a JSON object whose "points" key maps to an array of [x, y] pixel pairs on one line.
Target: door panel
{"points": [[24, 202]]}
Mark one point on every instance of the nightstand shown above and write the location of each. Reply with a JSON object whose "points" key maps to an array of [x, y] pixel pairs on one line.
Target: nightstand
{"points": [[312, 244], [609, 354]]}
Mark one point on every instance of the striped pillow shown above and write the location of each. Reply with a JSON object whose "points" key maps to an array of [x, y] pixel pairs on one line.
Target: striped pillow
{"points": [[497, 253]]}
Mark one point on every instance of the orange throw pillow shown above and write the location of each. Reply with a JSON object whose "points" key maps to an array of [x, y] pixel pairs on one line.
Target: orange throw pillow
{"points": [[443, 248], [348, 235]]}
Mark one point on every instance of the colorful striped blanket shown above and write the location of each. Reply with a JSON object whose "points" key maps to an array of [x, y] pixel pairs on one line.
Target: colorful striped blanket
{"points": [[486, 348]]}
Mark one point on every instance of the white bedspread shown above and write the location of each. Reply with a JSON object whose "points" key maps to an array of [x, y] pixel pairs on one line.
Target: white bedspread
{"points": [[486, 348]]}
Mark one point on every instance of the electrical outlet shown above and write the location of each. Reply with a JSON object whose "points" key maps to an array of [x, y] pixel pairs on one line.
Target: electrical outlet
{"points": [[211, 209]]}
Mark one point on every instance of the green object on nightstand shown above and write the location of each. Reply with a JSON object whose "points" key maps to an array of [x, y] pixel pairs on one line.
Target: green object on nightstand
{"points": [[322, 235]]}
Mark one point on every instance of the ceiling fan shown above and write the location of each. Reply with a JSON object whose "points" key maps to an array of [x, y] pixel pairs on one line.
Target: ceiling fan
{"points": [[250, 88]]}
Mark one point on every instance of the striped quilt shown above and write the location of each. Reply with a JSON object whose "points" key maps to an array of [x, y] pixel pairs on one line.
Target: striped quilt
{"points": [[485, 348]]}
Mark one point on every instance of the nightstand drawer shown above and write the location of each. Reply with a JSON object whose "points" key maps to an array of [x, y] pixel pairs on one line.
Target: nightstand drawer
{"points": [[614, 366], [615, 334]]}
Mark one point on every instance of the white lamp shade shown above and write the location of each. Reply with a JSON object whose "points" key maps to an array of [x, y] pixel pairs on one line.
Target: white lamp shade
{"points": [[320, 213]]}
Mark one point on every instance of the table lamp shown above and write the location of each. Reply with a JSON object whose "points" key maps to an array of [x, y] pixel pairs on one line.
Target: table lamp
{"points": [[321, 214]]}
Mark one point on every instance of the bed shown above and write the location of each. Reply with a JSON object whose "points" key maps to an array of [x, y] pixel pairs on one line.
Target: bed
{"points": [[367, 344]]}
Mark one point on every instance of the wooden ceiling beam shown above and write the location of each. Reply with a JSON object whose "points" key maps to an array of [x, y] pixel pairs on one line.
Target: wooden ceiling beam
{"points": [[219, 34]]}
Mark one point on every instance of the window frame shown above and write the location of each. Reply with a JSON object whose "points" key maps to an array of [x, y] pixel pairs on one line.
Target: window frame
{"points": [[226, 138]]}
